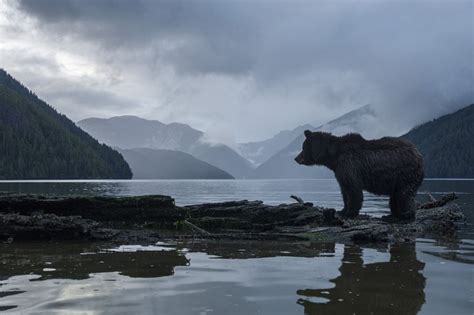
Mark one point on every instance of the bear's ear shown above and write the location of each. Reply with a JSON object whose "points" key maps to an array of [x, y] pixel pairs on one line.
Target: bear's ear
{"points": [[307, 133]]}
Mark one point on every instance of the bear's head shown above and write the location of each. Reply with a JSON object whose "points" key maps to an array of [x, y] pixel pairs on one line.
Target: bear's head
{"points": [[318, 147]]}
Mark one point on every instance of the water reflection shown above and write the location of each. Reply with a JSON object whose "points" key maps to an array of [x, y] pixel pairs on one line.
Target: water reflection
{"points": [[79, 261], [239, 277], [231, 277], [394, 287], [259, 249]]}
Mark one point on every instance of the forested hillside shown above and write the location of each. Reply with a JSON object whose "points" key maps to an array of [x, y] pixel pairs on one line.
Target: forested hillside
{"points": [[36, 142], [447, 144]]}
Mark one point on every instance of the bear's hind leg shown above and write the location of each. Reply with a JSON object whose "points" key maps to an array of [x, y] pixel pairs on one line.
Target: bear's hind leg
{"points": [[407, 206], [402, 207]]}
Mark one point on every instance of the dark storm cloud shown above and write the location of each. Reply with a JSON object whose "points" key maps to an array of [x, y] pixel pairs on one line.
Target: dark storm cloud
{"points": [[405, 56], [275, 36], [208, 36]]}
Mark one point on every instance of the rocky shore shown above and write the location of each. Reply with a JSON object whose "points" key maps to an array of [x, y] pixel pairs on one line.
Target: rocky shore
{"points": [[147, 219]]}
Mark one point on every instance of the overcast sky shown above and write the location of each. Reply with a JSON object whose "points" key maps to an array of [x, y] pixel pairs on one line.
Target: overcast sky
{"points": [[243, 70]]}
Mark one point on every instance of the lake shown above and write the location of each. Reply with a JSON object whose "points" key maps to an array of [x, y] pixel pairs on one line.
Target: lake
{"points": [[223, 277]]}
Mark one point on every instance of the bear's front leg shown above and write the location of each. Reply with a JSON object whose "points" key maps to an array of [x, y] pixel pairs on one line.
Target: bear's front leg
{"points": [[344, 193], [353, 199]]}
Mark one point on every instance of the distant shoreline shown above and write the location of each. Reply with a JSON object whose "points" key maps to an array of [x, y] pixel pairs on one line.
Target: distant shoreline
{"points": [[187, 180]]}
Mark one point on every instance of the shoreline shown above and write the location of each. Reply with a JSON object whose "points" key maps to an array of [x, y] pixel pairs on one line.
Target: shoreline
{"points": [[152, 218], [202, 179]]}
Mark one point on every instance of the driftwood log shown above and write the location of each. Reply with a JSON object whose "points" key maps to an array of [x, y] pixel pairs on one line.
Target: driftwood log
{"points": [[438, 203], [136, 219], [156, 208], [46, 226], [255, 220]]}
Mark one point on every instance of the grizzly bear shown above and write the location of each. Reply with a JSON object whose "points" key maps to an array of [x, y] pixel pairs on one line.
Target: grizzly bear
{"points": [[386, 166]]}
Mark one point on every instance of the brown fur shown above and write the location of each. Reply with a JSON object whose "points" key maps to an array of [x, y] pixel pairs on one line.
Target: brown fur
{"points": [[386, 166]]}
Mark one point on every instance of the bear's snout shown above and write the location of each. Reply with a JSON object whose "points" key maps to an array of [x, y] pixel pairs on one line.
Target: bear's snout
{"points": [[299, 159]]}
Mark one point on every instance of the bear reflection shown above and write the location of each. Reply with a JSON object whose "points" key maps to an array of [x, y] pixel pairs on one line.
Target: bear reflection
{"points": [[394, 287]]}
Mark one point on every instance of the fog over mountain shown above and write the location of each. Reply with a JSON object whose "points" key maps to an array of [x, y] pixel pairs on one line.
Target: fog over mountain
{"points": [[130, 132], [241, 71], [260, 151]]}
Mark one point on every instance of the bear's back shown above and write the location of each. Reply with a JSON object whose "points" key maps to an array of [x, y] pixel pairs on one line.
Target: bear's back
{"points": [[378, 164], [355, 142], [388, 143]]}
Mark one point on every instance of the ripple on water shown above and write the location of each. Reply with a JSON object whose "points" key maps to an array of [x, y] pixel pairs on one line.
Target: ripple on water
{"points": [[237, 278]]}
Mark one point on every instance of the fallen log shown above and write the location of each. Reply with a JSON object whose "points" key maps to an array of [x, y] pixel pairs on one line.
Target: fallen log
{"points": [[255, 220], [298, 199], [197, 228], [154, 208], [45, 227], [431, 197], [439, 222], [438, 203], [255, 216], [139, 217]]}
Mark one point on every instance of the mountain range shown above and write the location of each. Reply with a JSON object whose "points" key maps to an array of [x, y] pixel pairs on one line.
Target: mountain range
{"points": [[131, 132], [273, 158], [128, 132], [36, 142]]}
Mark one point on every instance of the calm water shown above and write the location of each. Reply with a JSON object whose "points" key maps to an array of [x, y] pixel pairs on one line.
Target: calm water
{"points": [[239, 277]]}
